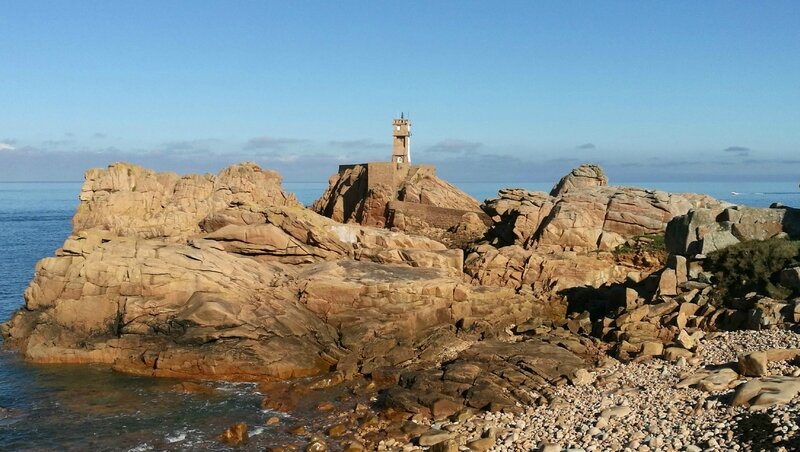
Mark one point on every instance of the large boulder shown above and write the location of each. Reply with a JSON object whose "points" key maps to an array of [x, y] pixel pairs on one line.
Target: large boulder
{"points": [[517, 214], [767, 391], [581, 177], [703, 230]]}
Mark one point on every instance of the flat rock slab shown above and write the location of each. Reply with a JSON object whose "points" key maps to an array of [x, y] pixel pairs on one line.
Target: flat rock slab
{"points": [[547, 360], [767, 391], [615, 412], [710, 380], [433, 436], [490, 375]]}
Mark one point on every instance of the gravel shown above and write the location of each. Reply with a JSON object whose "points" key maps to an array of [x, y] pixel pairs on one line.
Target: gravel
{"points": [[636, 407]]}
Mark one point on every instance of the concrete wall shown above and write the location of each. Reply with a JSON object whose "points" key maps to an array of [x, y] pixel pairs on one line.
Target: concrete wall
{"points": [[382, 173], [439, 217]]}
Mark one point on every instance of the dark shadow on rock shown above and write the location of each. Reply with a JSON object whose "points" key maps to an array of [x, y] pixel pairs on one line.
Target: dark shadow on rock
{"points": [[791, 222], [599, 301]]}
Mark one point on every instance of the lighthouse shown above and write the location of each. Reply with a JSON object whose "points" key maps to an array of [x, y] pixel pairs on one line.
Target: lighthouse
{"points": [[401, 144]]}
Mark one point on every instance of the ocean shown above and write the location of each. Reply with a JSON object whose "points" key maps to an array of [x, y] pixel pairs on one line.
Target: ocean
{"points": [[68, 407]]}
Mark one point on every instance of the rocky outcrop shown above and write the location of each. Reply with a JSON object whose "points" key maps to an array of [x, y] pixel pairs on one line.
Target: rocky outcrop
{"points": [[585, 219], [361, 194], [704, 230], [542, 274], [581, 177], [549, 243], [517, 215], [493, 376], [129, 200], [243, 284], [666, 313]]}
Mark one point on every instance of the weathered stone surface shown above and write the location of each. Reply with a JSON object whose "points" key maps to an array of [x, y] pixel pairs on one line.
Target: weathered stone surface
{"points": [[585, 217], [260, 289], [710, 380], [790, 278], [517, 267], [580, 177], [445, 446], [782, 354], [679, 264], [581, 377], [675, 353], [688, 341], [766, 313], [481, 444], [551, 243], [360, 193], [668, 283], [767, 391], [129, 200], [517, 215], [478, 375], [753, 364], [652, 348], [432, 437], [235, 435], [615, 412], [296, 235], [704, 230], [717, 240]]}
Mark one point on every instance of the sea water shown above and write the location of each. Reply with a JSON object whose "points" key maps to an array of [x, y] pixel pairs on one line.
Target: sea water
{"points": [[80, 407]]}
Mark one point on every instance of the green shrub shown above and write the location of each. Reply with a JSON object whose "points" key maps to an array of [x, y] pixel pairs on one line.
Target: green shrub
{"points": [[652, 243], [752, 266]]}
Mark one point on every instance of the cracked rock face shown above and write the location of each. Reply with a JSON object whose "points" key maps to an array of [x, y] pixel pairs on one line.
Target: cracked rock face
{"points": [[352, 198], [705, 229], [549, 243], [227, 277], [580, 177], [129, 200], [585, 218]]}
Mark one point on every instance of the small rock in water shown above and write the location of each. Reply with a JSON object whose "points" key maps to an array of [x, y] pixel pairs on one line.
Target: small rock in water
{"points": [[316, 445], [189, 387], [337, 430], [234, 435], [355, 446], [325, 406], [274, 420]]}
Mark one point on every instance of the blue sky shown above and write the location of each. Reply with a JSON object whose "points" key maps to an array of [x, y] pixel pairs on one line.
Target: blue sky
{"points": [[516, 91]]}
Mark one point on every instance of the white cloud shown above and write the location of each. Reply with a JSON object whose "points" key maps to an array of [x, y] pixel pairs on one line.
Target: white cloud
{"points": [[454, 145], [267, 142], [6, 147]]}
